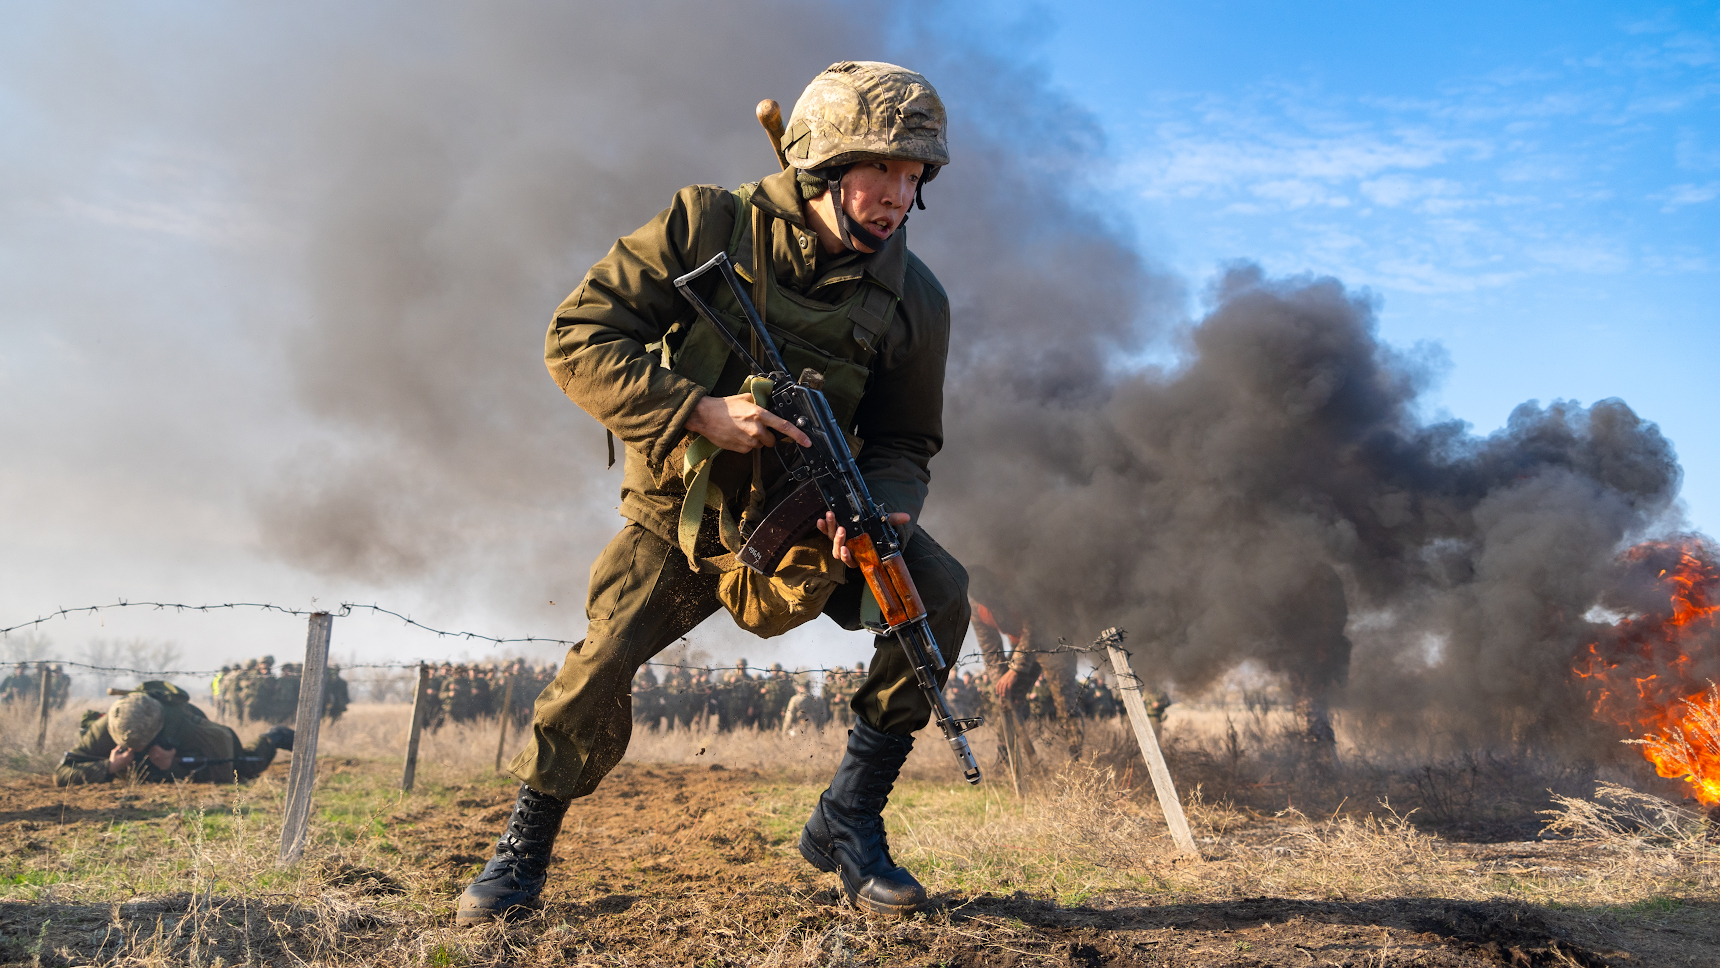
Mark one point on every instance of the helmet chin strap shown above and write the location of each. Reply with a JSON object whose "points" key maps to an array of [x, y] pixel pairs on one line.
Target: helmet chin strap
{"points": [[843, 228]]}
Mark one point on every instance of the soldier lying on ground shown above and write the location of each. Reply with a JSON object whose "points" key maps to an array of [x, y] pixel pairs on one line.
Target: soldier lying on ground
{"points": [[155, 734]]}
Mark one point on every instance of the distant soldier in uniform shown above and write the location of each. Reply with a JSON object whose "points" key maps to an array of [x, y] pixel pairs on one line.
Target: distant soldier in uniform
{"points": [[219, 700], [59, 688], [242, 689], [435, 710], [778, 692], [1101, 701], [647, 699], [820, 243], [283, 694], [963, 696], [19, 687], [261, 688], [804, 711], [336, 695], [155, 734]]}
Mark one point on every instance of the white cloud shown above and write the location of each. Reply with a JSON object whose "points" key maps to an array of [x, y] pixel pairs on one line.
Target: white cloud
{"points": [[1680, 196]]}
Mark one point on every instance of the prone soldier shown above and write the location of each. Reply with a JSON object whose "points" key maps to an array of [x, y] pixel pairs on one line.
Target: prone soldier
{"points": [[155, 734]]}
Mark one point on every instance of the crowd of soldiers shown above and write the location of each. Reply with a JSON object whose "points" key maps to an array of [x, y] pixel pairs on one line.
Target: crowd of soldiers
{"points": [[255, 693], [736, 698], [24, 687], [686, 697], [727, 699], [1094, 698], [466, 691]]}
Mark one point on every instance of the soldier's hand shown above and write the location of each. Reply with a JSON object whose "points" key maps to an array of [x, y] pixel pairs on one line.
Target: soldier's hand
{"points": [[737, 423], [1005, 683], [839, 535], [120, 760], [161, 758]]}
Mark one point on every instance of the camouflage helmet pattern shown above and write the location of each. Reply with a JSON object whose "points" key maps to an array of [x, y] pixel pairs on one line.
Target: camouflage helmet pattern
{"points": [[855, 110], [134, 719]]}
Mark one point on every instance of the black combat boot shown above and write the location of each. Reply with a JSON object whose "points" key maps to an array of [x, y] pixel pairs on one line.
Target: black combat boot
{"points": [[514, 877], [846, 833]]}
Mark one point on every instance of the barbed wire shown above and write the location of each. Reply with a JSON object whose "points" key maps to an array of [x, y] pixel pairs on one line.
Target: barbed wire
{"points": [[345, 609]]}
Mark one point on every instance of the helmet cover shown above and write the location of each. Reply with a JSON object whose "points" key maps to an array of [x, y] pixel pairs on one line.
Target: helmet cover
{"points": [[134, 720], [855, 110]]}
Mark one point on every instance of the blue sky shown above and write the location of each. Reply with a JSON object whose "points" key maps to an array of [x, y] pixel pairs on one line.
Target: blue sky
{"points": [[1533, 186]]}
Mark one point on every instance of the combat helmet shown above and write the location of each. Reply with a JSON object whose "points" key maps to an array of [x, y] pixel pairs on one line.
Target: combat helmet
{"points": [[134, 720], [859, 110]]}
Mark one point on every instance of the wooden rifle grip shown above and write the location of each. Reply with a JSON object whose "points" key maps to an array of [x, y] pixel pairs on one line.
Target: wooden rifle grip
{"points": [[898, 599]]}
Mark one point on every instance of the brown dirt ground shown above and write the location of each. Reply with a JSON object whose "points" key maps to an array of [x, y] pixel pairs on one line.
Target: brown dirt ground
{"points": [[670, 865]]}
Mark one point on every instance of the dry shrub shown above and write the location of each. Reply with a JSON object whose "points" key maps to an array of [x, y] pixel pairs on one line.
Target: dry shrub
{"points": [[1631, 822]]}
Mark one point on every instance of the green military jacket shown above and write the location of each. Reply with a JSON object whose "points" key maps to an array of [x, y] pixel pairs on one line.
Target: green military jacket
{"points": [[203, 751], [596, 348]]}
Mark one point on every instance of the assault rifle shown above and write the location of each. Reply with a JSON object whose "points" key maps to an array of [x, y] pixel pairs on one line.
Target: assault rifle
{"points": [[830, 480]]}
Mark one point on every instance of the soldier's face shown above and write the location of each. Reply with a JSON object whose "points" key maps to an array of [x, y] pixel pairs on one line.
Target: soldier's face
{"points": [[876, 195]]}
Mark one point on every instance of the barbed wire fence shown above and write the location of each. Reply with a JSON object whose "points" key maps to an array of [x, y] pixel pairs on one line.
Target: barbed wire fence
{"points": [[314, 673], [346, 609]]}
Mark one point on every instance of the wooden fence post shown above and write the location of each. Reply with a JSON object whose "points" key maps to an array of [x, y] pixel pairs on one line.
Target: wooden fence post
{"points": [[1130, 686], [303, 775], [507, 707], [42, 729], [420, 706]]}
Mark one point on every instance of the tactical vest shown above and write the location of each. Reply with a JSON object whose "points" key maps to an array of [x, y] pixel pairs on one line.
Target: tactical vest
{"points": [[838, 340]]}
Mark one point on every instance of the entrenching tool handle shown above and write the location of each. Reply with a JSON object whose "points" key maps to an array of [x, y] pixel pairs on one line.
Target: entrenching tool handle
{"points": [[770, 116]]}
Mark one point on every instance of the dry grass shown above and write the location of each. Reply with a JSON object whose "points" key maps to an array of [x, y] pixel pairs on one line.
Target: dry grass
{"points": [[185, 875]]}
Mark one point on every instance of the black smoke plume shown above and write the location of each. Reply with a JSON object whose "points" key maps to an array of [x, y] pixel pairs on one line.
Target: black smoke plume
{"points": [[1276, 496]]}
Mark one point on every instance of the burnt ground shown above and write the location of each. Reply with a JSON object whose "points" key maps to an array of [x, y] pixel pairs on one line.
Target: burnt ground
{"points": [[674, 865]]}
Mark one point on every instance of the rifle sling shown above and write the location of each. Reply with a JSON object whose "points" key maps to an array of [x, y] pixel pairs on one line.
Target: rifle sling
{"points": [[795, 518]]}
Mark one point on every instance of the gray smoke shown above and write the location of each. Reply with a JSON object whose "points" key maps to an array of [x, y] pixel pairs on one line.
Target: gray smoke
{"points": [[1279, 487]]}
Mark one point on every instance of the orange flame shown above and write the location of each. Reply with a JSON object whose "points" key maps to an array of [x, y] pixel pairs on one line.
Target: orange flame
{"points": [[1640, 677]]}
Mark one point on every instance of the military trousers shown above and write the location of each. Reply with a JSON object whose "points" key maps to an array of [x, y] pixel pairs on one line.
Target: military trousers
{"points": [[643, 597]]}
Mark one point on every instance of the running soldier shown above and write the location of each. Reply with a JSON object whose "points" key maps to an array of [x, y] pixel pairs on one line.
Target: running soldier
{"points": [[820, 242]]}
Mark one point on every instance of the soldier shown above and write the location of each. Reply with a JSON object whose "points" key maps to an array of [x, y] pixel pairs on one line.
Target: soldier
{"points": [[19, 687], [59, 688], [778, 692], [1101, 702], [457, 694], [819, 242], [260, 690], [804, 711], [220, 701], [336, 695], [154, 734], [242, 690], [282, 698], [647, 699], [963, 695]]}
